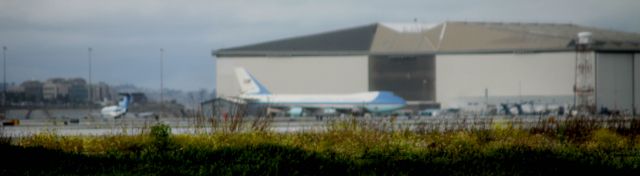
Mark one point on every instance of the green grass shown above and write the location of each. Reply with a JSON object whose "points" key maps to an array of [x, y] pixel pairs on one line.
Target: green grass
{"points": [[577, 146]]}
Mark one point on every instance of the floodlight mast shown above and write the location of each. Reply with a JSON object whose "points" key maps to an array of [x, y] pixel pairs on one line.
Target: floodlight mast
{"points": [[4, 76], [90, 88], [161, 82]]}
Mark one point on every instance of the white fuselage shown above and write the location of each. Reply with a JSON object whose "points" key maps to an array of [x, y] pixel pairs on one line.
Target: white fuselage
{"points": [[377, 101], [371, 101], [112, 111]]}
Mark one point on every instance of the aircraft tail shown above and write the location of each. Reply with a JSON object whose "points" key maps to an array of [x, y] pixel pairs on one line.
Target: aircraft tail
{"points": [[249, 84], [125, 102]]}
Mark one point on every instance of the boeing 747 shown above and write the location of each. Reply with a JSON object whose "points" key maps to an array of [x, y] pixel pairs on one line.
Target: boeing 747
{"points": [[375, 101]]}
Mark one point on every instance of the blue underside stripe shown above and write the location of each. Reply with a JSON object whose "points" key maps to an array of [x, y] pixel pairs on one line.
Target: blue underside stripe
{"points": [[330, 103]]}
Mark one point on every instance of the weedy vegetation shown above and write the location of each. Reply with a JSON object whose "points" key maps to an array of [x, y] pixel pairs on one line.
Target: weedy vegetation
{"points": [[354, 146]]}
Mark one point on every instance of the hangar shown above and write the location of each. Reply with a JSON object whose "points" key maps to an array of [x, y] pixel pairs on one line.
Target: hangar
{"points": [[451, 64]]}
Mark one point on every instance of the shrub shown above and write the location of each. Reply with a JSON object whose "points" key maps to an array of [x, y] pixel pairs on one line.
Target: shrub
{"points": [[607, 140], [160, 134], [4, 139], [357, 147]]}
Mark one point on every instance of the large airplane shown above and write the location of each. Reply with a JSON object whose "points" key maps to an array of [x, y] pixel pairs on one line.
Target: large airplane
{"points": [[119, 110], [296, 104]]}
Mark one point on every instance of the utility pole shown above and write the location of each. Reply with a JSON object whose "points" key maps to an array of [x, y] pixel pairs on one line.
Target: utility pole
{"points": [[4, 79], [161, 82], [90, 90]]}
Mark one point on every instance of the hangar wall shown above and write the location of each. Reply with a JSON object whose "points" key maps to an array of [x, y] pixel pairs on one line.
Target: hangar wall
{"points": [[546, 78], [296, 75], [614, 81]]}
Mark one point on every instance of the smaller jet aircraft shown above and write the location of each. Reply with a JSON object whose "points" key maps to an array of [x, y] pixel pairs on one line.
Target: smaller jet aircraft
{"points": [[119, 110]]}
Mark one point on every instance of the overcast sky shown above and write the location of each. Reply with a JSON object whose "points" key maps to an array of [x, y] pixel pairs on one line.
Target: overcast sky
{"points": [[50, 38]]}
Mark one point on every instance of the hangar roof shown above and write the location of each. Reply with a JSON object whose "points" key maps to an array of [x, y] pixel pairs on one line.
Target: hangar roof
{"points": [[447, 37]]}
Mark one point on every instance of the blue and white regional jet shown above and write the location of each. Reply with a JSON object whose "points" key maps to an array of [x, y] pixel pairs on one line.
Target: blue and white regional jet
{"points": [[375, 101], [117, 111]]}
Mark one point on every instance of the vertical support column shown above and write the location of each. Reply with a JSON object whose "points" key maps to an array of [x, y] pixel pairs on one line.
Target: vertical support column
{"points": [[585, 81], [4, 76], [90, 87], [636, 84], [161, 82]]}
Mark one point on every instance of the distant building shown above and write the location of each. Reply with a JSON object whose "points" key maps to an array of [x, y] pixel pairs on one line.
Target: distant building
{"points": [[139, 98], [2, 86], [15, 93], [77, 81], [450, 64], [3, 92], [102, 92], [14, 88], [78, 91], [49, 91], [32, 90], [55, 89]]}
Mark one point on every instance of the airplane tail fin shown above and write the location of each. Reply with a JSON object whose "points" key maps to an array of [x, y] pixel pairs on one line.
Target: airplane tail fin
{"points": [[126, 100], [249, 84]]}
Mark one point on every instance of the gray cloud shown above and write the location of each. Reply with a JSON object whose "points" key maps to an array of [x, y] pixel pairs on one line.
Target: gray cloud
{"points": [[50, 38]]}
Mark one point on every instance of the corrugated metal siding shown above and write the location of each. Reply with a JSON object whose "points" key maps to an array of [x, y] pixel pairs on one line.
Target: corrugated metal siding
{"points": [[293, 75], [509, 78], [614, 81], [351, 39], [448, 37], [388, 40]]}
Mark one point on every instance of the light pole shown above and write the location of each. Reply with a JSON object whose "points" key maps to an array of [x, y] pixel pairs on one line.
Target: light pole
{"points": [[90, 90], [4, 75], [161, 82]]}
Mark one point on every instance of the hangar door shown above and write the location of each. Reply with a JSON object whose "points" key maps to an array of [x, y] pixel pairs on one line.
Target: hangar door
{"points": [[408, 76], [614, 81]]}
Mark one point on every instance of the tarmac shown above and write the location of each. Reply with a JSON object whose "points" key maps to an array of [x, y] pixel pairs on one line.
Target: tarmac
{"points": [[133, 126]]}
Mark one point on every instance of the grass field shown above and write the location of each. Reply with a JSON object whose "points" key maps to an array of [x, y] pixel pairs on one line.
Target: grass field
{"points": [[575, 146]]}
